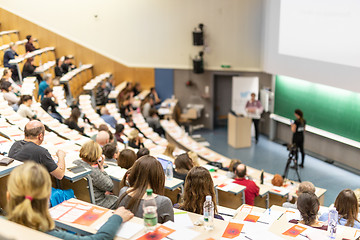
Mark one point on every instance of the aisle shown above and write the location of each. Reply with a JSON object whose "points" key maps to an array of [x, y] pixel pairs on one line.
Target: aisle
{"points": [[272, 157]]}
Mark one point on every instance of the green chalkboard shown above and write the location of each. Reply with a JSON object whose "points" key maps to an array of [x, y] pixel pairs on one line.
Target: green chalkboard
{"points": [[331, 109]]}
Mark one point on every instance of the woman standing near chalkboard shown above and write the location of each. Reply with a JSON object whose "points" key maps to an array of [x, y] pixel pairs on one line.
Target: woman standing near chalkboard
{"points": [[298, 128]]}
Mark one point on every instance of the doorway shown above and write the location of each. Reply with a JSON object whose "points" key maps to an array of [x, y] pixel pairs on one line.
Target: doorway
{"points": [[222, 99]]}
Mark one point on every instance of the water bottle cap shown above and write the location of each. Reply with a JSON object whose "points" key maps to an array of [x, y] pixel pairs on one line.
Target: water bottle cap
{"points": [[149, 192], [208, 198]]}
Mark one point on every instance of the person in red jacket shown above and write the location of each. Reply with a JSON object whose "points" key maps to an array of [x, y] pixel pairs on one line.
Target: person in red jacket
{"points": [[252, 190]]}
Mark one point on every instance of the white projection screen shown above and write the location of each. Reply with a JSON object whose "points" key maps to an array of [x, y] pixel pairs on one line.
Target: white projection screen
{"points": [[313, 40]]}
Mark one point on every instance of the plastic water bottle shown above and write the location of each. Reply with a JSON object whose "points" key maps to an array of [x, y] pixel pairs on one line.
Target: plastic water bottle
{"points": [[169, 171], [208, 214], [332, 222], [150, 211]]}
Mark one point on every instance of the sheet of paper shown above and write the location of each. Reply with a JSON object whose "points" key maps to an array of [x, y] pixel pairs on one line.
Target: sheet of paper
{"points": [[180, 232], [246, 208], [182, 219], [269, 216], [58, 211], [292, 214]]}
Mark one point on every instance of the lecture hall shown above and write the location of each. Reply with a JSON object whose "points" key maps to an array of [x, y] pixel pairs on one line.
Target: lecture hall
{"points": [[155, 119]]}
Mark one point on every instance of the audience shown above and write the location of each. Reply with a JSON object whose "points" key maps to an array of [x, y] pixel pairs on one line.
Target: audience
{"points": [[102, 127], [28, 202], [29, 70], [308, 206], [90, 154], [252, 190], [103, 138], [232, 167], [135, 141], [29, 46], [198, 185], [119, 131], [7, 74], [147, 172], [303, 187], [110, 86], [72, 121], [347, 206], [49, 105], [9, 95], [44, 84], [111, 152], [142, 152], [136, 89], [183, 164], [25, 107], [125, 109], [30, 148], [105, 115], [126, 158]]}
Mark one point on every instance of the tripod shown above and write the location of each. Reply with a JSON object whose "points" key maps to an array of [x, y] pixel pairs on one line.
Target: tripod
{"points": [[292, 158]]}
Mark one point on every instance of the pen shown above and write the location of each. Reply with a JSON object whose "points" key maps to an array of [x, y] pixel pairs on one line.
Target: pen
{"points": [[248, 238], [280, 216], [303, 235]]}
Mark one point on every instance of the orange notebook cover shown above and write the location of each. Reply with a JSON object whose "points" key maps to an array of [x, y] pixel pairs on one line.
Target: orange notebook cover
{"points": [[91, 216], [159, 233], [251, 218], [232, 230], [294, 231]]}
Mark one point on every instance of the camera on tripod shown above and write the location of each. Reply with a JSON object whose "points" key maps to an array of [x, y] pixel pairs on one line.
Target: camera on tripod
{"points": [[292, 158]]}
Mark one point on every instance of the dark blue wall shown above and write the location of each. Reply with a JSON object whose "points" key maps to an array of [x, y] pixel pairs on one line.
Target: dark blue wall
{"points": [[164, 82]]}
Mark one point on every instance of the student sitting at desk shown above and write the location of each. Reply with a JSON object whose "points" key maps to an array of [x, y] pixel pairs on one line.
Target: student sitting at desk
{"points": [[72, 121], [348, 209], [29, 46], [90, 154], [9, 95], [24, 108], [252, 190], [198, 185], [58, 71], [105, 115], [308, 205], [147, 172], [100, 97], [303, 187], [7, 74], [49, 105], [30, 149], [119, 131], [9, 55], [126, 159], [135, 141], [28, 205], [169, 150], [232, 166], [183, 164], [111, 152], [29, 70], [67, 65], [44, 84], [125, 109]]}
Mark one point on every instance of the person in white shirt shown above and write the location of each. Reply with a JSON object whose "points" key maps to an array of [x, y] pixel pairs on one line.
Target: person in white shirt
{"points": [[24, 108], [254, 110], [7, 76]]}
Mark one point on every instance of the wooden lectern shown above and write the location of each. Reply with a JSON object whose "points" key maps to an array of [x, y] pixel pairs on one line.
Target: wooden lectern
{"points": [[239, 131]]}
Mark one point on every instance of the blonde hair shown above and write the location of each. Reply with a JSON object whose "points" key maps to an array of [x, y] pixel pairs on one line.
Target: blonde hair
{"points": [[169, 150], [90, 152], [29, 189], [194, 157]]}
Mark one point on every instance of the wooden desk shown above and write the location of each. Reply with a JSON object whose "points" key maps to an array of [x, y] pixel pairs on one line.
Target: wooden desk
{"points": [[14, 231]]}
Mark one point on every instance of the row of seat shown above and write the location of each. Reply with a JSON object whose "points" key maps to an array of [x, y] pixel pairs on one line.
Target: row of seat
{"points": [[7, 37], [76, 79]]}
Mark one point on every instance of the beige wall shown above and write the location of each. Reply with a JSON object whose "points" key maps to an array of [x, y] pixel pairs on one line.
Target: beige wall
{"points": [[154, 33]]}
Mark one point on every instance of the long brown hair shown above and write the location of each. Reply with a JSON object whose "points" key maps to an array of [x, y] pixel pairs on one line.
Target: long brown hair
{"points": [[183, 163], [29, 188], [308, 206], [347, 206], [146, 171], [198, 184]]}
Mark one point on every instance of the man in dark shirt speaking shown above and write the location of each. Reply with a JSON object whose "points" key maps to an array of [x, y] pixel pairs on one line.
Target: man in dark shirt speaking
{"points": [[30, 149]]}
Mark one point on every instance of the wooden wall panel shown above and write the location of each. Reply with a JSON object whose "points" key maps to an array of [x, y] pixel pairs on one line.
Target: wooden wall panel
{"points": [[64, 46]]}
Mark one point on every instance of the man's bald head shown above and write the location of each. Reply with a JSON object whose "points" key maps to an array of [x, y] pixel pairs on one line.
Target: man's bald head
{"points": [[33, 129], [241, 170], [102, 138]]}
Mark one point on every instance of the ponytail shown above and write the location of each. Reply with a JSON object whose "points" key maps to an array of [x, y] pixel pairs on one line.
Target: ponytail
{"points": [[301, 115]]}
